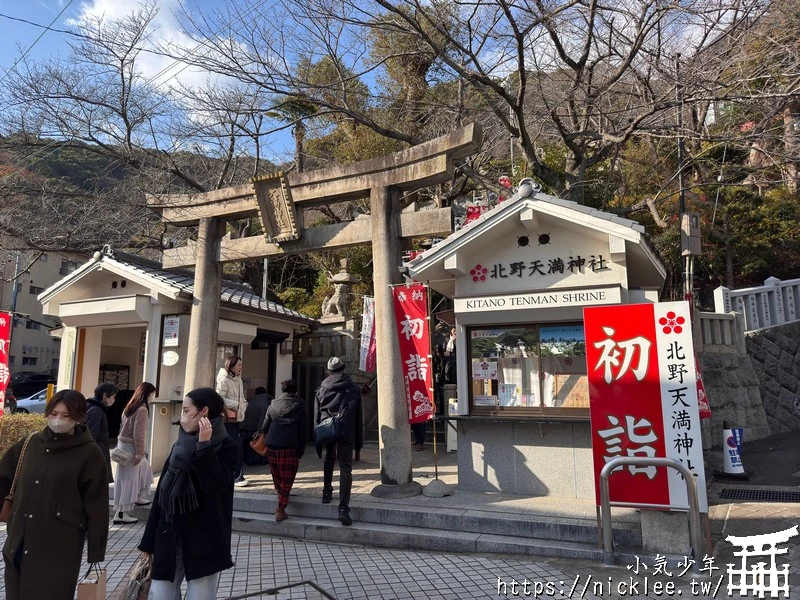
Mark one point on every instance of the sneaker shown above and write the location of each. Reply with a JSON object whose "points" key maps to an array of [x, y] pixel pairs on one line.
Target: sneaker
{"points": [[327, 497], [241, 482], [280, 514], [344, 516], [122, 518]]}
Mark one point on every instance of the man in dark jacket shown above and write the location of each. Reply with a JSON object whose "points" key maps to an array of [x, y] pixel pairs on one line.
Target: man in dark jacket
{"points": [[339, 396], [254, 417], [97, 420]]}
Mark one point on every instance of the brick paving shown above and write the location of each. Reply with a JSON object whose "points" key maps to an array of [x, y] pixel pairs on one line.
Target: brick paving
{"points": [[357, 572]]}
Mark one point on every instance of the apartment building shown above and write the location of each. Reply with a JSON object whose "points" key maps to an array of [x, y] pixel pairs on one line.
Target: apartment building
{"points": [[25, 275]]}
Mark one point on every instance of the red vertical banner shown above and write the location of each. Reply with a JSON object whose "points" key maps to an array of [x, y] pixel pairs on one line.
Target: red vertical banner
{"points": [[625, 400], [413, 329], [5, 337]]}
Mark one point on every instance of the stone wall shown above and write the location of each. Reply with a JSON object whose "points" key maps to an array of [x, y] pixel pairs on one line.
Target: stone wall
{"points": [[775, 354], [734, 395]]}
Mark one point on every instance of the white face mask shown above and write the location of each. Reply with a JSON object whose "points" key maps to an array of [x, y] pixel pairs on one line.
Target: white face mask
{"points": [[190, 423], [59, 425]]}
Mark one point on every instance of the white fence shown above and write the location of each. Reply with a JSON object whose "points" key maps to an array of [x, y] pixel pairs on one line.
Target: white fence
{"points": [[721, 334], [774, 303]]}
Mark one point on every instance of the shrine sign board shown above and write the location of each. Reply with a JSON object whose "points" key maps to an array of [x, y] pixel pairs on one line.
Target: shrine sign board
{"points": [[643, 400]]}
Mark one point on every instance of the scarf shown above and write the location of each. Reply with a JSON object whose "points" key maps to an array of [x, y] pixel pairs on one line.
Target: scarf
{"points": [[177, 495]]}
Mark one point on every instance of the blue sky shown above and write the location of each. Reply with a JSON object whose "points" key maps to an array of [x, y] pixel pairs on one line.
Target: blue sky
{"points": [[18, 37]]}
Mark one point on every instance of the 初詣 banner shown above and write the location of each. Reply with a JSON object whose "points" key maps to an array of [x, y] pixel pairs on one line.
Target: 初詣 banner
{"points": [[643, 399], [413, 329]]}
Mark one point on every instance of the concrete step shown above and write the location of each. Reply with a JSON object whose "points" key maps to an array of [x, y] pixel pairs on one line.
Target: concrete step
{"points": [[519, 525], [443, 529]]}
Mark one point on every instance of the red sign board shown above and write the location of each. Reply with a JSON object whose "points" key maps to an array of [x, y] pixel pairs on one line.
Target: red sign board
{"points": [[643, 399], [411, 316], [5, 375]]}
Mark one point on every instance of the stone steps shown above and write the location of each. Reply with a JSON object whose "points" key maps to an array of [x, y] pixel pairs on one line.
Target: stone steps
{"points": [[406, 526]]}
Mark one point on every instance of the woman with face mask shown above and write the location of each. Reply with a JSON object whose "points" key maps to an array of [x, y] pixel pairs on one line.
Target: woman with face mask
{"points": [[135, 478], [188, 532], [61, 500], [231, 388], [97, 419]]}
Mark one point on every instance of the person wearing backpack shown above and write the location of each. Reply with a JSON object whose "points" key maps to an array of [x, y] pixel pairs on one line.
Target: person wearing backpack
{"points": [[337, 396]]}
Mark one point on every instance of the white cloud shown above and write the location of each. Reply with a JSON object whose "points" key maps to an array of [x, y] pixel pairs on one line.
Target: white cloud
{"points": [[162, 70]]}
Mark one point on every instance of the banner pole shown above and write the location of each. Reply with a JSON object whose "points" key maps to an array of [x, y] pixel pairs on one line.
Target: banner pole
{"points": [[433, 383]]}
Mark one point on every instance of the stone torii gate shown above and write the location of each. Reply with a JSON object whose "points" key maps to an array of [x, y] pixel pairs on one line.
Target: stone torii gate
{"points": [[277, 200]]}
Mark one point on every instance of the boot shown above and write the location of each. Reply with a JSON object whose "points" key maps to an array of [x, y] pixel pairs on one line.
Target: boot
{"points": [[142, 500], [344, 516], [122, 518], [280, 514]]}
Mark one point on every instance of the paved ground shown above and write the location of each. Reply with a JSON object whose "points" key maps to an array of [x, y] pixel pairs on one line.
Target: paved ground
{"points": [[345, 572], [356, 572]]}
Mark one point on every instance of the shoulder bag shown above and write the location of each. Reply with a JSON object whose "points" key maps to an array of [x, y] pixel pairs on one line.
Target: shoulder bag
{"points": [[328, 430], [8, 503], [123, 457]]}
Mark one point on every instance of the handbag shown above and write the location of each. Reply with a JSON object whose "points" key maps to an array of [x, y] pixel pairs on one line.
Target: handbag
{"points": [[139, 582], [230, 415], [93, 584], [123, 457], [259, 443], [328, 430], [8, 502]]}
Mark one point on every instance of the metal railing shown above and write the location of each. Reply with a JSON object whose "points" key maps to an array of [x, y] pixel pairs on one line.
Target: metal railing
{"points": [[695, 533]]}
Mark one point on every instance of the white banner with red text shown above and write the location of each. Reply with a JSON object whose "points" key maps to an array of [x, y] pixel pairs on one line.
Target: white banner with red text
{"points": [[367, 351]]}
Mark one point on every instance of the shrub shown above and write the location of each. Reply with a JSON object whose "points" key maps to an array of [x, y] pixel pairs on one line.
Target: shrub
{"points": [[16, 426]]}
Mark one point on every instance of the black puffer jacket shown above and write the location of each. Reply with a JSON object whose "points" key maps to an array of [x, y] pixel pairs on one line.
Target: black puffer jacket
{"points": [[285, 425], [337, 394], [97, 424]]}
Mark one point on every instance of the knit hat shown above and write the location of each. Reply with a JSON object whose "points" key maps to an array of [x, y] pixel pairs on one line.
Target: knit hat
{"points": [[335, 365]]}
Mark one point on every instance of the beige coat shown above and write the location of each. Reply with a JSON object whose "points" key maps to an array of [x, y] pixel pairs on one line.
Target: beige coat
{"points": [[232, 391]]}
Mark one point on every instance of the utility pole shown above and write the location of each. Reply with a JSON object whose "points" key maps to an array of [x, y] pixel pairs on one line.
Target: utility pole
{"points": [[687, 259], [14, 294]]}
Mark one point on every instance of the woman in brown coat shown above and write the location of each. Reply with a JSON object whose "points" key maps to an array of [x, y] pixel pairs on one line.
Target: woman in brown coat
{"points": [[61, 500]]}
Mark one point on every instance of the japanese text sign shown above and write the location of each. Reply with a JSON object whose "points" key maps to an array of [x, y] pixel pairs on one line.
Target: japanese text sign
{"points": [[367, 353], [643, 399], [411, 316], [5, 375]]}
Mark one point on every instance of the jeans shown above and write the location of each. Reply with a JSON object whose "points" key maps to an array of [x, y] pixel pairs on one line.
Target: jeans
{"points": [[204, 588], [343, 450], [233, 432]]}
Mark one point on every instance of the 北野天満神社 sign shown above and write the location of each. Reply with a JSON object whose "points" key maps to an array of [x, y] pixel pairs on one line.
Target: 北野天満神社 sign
{"points": [[643, 399], [549, 299], [411, 317]]}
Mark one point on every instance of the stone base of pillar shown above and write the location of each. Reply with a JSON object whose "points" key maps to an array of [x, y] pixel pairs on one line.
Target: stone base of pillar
{"points": [[404, 490]]}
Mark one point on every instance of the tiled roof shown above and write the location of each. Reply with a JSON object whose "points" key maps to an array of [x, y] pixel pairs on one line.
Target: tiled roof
{"points": [[235, 294]]}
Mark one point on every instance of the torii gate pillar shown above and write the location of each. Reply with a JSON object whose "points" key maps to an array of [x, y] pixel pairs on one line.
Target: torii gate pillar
{"points": [[204, 321], [394, 430]]}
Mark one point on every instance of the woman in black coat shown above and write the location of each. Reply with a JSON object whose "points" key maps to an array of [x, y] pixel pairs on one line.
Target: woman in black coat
{"points": [[188, 532], [285, 429]]}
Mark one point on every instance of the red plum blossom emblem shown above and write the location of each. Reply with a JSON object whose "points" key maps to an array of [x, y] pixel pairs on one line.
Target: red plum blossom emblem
{"points": [[672, 323], [479, 273]]}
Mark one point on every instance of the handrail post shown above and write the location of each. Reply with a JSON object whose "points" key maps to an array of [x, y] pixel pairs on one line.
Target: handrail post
{"points": [[695, 534]]}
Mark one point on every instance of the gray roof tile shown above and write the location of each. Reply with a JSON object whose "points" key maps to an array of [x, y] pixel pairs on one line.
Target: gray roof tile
{"points": [[233, 292]]}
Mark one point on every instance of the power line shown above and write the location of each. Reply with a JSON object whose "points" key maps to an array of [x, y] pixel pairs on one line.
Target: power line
{"points": [[24, 54]]}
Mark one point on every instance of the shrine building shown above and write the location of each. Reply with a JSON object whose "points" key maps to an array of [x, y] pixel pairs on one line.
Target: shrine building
{"points": [[520, 277], [126, 320]]}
